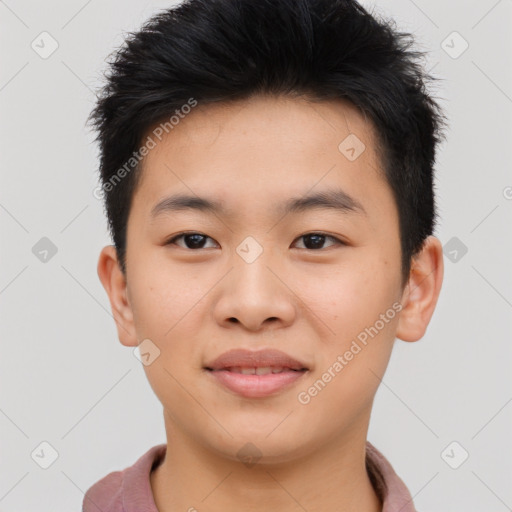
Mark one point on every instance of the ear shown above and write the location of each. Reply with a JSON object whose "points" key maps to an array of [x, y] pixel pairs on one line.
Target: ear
{"points": [[114, 282], [420, 295]]}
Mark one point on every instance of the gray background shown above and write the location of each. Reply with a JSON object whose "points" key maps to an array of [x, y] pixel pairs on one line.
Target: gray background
{"points": [[67, 381]]}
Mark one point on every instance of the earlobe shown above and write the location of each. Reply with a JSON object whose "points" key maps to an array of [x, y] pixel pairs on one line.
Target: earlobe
{"points": [[422, 291], [114, 282]]}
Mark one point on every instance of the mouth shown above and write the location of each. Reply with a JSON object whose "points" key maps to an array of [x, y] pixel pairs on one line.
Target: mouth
{"points": [[259, 382], [259, 362], [257, 370], [258, 374]]}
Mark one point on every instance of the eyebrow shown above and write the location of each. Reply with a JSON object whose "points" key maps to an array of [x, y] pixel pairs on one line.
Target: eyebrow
{"points": [[325, 200]]}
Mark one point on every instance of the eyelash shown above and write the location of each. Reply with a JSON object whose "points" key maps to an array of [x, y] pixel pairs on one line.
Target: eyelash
{"points": [[172, 240]]}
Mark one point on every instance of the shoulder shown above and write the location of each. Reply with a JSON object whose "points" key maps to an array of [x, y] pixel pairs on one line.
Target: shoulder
{"points": [[390, 488], [105, 495], [114, 490]]}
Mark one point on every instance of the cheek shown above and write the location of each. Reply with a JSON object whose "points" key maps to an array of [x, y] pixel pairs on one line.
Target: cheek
{"points": [[351, 299], [340, 297], [164, 300]]}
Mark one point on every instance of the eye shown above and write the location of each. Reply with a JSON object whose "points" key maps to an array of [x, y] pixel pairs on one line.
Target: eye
{"points": [[192, 240], [316, 240]]}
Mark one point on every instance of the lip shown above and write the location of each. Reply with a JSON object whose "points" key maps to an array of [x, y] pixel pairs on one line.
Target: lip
{"points": [[256, 386], [255, 359]]}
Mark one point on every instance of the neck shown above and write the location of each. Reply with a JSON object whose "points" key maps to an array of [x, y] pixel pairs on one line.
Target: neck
{"points": [[331, 477]]}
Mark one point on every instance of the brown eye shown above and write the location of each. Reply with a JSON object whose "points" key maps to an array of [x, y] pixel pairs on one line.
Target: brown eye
{"points": [[315, 241], [191, 240]]}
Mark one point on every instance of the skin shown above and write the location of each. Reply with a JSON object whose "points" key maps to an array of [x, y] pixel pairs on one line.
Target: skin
{"points": [[311, 303]]}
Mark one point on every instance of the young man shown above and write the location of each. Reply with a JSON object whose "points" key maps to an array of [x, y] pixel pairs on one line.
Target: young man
{"points": [[267, 169]]}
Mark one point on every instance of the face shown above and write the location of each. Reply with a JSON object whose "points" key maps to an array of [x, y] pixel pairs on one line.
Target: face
{"points": [[319, 281]]}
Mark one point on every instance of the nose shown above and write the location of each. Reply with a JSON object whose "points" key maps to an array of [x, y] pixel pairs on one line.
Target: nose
{"points": [[255, 296]]}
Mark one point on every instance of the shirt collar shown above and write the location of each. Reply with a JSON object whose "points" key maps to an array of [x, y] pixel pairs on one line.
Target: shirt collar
{"points": [[390, 488]]}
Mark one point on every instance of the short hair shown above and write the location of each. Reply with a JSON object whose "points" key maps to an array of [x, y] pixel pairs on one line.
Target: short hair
{"points": [[212, 51]]}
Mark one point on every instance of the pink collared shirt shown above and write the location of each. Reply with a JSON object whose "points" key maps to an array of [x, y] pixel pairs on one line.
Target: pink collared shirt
{"points": [[129, 490]]}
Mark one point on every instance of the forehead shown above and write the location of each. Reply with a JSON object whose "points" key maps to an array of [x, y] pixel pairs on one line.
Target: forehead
{"points": [[315, 125], [264, 151]]}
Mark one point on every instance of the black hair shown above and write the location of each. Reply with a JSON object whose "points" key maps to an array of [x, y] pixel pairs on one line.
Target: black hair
{"points": [[208, 51]]}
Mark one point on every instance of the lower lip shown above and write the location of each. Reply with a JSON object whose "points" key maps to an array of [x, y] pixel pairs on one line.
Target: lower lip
{"points": [[256, 386]]}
